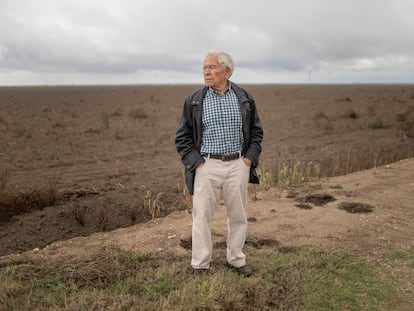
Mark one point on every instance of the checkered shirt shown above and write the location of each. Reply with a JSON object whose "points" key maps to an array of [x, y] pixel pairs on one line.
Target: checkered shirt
{"points": [[221, 123]]}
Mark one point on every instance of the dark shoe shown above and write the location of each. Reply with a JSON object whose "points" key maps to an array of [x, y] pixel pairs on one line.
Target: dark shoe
{"points": [[200, 271], [243, 270]]}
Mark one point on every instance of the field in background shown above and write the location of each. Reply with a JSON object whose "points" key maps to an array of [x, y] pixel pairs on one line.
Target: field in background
{"points": [[76, 160]]}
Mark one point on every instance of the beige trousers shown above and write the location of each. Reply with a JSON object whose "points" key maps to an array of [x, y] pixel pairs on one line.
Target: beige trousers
{"points": [[215, 176]]}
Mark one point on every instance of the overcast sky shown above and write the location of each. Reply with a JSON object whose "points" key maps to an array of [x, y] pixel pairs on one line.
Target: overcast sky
{"points": [[164, 41]]}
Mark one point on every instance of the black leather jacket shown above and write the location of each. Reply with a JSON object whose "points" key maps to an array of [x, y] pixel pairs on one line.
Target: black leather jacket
{"points": [[188, 134]]}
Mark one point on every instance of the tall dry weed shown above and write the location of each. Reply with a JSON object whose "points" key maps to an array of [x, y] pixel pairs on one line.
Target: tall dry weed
{"points": [[136, 208], [405, 121], [138, 113], [153, 206], [4, 179], [146, 205], [3, 124], [186, 196], [103, 218], [79, 212]]}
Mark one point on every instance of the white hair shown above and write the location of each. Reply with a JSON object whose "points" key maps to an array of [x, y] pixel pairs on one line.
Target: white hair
{"points": [[224, 59]]}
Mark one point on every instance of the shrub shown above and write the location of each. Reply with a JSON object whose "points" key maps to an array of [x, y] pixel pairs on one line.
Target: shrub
{"points": [[138, 113], [299, 172], [79, 212], [376, 124], [351, 114], [4, 179], [355, 207]]}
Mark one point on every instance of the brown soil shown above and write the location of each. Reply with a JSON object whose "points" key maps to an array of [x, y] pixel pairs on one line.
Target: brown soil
{"points": [[76, 162]]}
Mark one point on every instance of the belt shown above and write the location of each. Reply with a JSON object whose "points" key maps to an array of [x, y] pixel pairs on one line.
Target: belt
{"points": [[225, 157]]}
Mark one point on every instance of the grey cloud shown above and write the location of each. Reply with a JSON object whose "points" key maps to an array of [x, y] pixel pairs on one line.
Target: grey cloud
{"points": [[123, 37]]}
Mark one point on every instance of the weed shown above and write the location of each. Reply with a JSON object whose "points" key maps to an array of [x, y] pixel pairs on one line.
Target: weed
{"points": [[105, 120], [187, 199], [103, 217], [58, 124], [401, 117], [406, 123], [157, 206], [186, 196], [356, 207], [303, 206], [145, 203], [37, 198], [372, 110], [320, 115], [266, 181], [117, 112], [344, 99], [79, 211], [376, 124], [20, 203], [323, 121], [138, 113], [299, 172], [3, 124], [4, 179], [135, 208], [265, 178], [318, 199], [351, 114]]}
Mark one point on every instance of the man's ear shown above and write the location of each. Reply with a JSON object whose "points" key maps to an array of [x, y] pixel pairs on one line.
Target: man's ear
{"points": [[228, 73]]}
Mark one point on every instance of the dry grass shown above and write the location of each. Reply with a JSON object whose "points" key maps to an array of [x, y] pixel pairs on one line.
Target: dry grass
{"points": [[405, 121], [303, 206], [376, 123], [285, 278], [4, 179], [79, 212], [135, 209], [354, 159], [138, 113], [153, 206], [323, 121], [103, 215], [3, 124], [351, 114], [18, 203], [145, 206]]}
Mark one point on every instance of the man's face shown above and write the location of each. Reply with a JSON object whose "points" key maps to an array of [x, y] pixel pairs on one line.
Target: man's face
{"points": [[215, 75]]}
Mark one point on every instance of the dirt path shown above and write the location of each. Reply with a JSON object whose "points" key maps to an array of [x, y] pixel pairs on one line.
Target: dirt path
{"points": [[390, 189]]}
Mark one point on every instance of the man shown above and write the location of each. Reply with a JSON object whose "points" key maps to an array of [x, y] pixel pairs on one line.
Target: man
{"points": [[219, 140]]}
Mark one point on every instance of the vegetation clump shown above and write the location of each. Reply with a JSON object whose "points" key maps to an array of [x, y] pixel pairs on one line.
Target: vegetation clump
{"points": [[356, 207], [303, 206], [317, 199]]}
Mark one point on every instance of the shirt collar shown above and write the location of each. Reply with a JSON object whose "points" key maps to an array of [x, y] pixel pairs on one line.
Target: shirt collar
{"points": [[229, 88]]}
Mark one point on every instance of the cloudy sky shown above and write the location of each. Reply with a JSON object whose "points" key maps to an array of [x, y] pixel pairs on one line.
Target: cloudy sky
{"points": [[163, 41]]}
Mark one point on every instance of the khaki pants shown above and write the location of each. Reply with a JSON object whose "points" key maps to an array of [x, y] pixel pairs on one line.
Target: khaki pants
{"points": [[210, 179]]}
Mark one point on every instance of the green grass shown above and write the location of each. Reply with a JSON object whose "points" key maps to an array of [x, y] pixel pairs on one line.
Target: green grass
{"points": [[296, 279]]}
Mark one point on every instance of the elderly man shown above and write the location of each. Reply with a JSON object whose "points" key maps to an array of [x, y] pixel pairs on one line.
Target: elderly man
{"points": [[219, 140]]}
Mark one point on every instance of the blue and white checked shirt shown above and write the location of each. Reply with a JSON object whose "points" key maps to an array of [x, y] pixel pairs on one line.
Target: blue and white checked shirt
{"points": [[221, 123]]}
